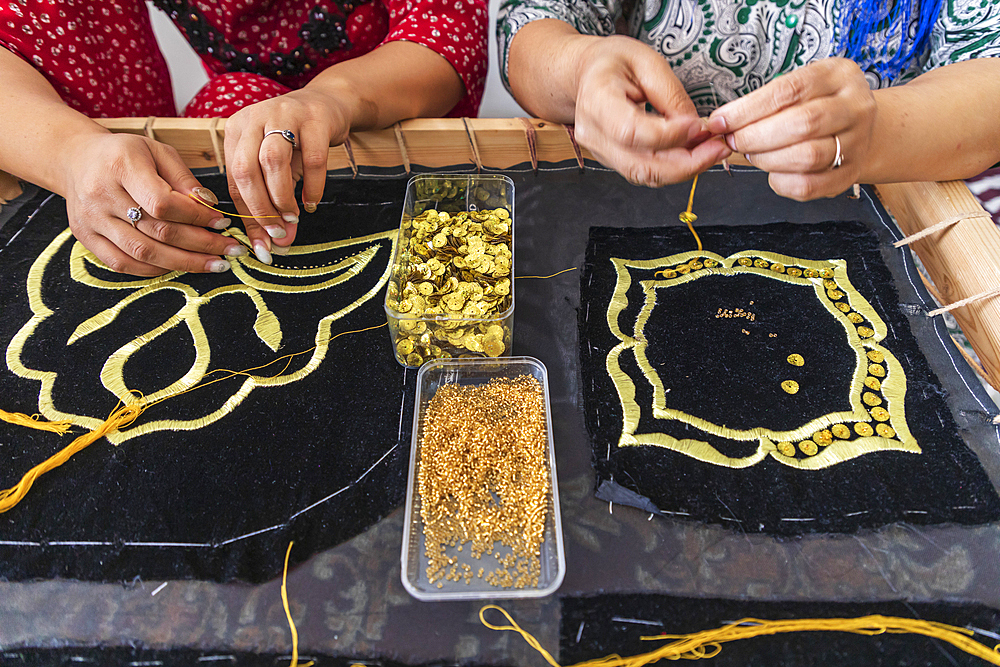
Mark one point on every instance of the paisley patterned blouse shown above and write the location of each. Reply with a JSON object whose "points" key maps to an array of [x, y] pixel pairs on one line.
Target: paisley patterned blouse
{"points": [[723, 49]]}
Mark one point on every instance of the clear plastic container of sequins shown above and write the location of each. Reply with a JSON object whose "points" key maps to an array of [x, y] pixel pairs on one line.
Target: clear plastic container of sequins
{"points": [[451, 291], [466, 576]]}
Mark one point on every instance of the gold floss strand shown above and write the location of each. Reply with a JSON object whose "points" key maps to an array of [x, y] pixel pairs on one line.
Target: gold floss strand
{"points": [[288, 612], [687, 217], [231, 215], [121, 417], [708, 643], [35, 422]]}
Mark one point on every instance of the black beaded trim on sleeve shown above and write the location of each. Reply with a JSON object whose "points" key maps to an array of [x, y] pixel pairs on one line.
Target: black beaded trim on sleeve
{"points": [[323, 32]]}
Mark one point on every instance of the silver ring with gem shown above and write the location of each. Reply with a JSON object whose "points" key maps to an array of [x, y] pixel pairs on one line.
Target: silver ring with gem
{"points": [[288, 136], [134, 215]]}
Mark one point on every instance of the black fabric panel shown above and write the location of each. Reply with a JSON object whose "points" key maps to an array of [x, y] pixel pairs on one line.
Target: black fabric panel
{"points": [[593, 627], [729, 372], [220, 502]]}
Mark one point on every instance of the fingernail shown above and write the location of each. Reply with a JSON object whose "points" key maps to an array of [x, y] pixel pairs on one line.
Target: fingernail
{"points": [[276, 231], [718, 124], [220, 223], [731, 142], [260, 250], [206, 196], [218, 266], [290, 218], [309, 207], [235, 251], [281, 249]]}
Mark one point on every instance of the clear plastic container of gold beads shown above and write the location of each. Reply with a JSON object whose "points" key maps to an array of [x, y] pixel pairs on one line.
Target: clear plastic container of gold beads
{"points": [[451, 292], [482, 504]]}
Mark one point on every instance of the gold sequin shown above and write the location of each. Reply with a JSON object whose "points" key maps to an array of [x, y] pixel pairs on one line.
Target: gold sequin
{"points": [[843, 306], [794, 272], [866, 332], [823, 438], [790, 386], [871, 399], [885, 430], [786, 448], [796, 360], [404, 347], [879, 414], [876, 370], [873, 383], [864, 429], [808, 447], [876, 356], [779, 268], [830, 284], [834, 294], [826, 273], [841, 431], [855, 318], [745, 261], [761, 263]]}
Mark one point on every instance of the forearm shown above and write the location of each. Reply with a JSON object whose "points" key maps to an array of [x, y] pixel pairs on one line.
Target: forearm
{"points": [[396, 81], [940, 126], [38, 127], [544, 68]]}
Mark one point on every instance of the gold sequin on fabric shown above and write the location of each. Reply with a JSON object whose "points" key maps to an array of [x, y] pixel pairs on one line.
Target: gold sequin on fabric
{"points": [[877, 380], [483, 480], [453, 281]]}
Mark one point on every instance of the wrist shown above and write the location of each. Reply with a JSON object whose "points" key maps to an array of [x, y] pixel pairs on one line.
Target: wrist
{"points": [[75, 148], [345, 105]]}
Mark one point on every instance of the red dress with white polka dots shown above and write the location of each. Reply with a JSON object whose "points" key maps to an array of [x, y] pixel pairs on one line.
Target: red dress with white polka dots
{"points": [[103, 59]]}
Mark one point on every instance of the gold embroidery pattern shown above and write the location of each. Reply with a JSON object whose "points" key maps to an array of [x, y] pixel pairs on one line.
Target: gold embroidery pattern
{"points": [[876, 420], [335, 264]]}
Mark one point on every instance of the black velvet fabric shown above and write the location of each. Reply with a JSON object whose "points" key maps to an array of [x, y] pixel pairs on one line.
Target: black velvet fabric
{"points": [[315, 461], [728, 371], [593, 627]]}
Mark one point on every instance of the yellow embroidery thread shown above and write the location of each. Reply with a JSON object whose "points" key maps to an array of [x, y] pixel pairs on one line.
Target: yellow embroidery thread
{"points": [[35, 422], [708, 643], [231, 215], [288, 612]]}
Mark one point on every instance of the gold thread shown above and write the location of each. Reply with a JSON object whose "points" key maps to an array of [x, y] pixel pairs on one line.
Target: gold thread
{"points": [[708, 643], [227, 213], [557, 273], [288, 612]]}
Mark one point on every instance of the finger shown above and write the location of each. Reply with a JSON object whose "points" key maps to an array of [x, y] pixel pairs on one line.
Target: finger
{"points": [[785, 91], [315, 145], [671, 165], [275, 156], [617, 123], [118, 261], [189, 237], [662, 88], [812, 156], [247, 187], [258, 238], [147, 186], [814, 119], [145, 250], [806, 187]]}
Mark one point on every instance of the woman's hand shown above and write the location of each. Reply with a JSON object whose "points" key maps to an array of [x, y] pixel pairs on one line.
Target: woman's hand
{"points": [[617, 77], [811, 129], [263, 168], [107, 174]]}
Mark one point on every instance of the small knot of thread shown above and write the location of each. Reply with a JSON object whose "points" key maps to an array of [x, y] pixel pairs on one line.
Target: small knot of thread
{"points": [[687, 217]]}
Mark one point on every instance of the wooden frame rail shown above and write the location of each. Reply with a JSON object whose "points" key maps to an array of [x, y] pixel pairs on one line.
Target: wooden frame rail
{"points": [[962, 260]]}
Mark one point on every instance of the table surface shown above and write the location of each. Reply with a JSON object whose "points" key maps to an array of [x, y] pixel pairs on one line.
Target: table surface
{"points": [[349, 600]]}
